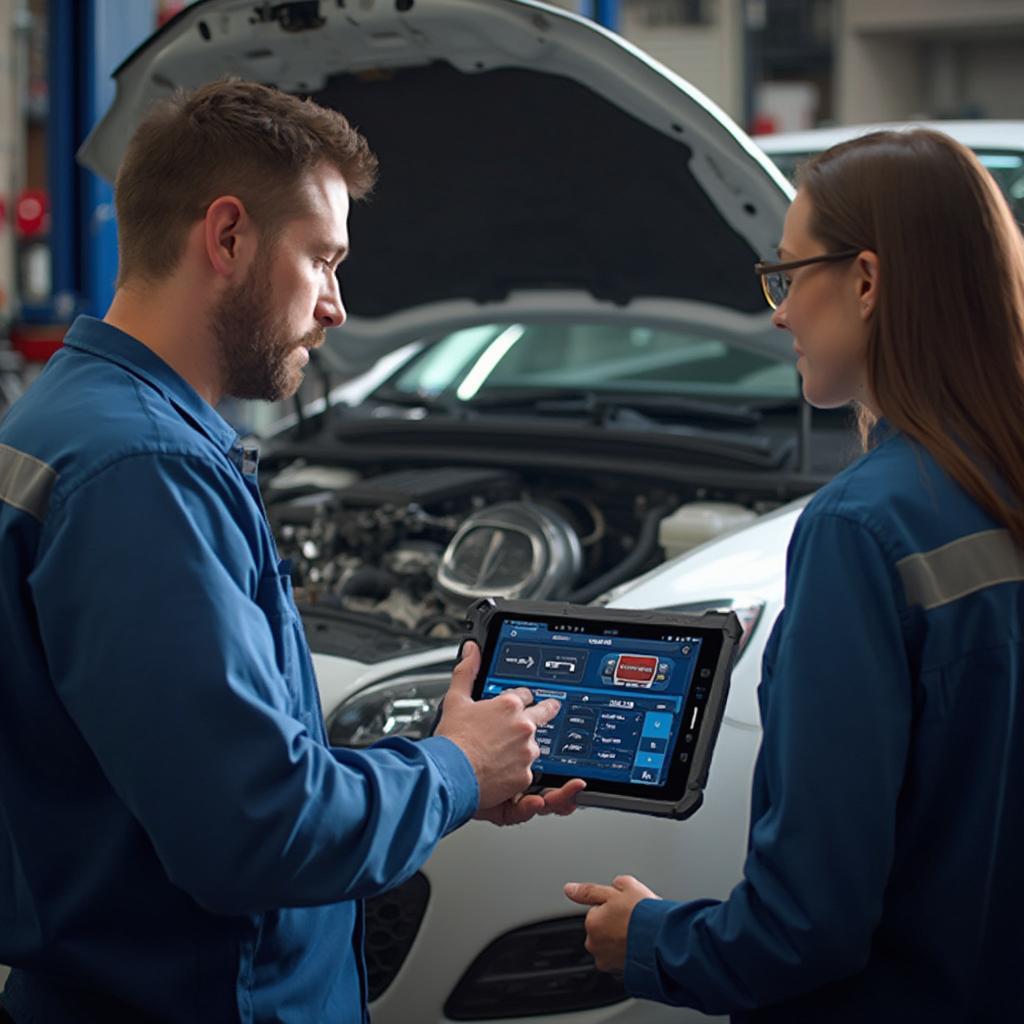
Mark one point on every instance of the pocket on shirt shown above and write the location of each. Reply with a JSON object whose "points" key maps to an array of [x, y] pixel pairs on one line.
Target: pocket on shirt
{"points": [[272, 595]]}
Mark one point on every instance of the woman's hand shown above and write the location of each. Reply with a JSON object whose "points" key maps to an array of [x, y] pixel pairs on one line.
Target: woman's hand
{"points": [[608, 917]]}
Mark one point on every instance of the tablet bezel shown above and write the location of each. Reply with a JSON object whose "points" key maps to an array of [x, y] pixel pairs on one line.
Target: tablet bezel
{"points": [[682, 792]]}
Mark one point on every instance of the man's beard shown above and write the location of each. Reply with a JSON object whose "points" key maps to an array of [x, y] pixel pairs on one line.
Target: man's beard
{"points": [[252, 344]]}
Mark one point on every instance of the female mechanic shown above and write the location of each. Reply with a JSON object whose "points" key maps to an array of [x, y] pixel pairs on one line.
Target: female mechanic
{"points": [[883, 879]]}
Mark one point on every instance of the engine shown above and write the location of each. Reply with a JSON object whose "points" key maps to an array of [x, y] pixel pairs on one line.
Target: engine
{"points": [[415, 546]]}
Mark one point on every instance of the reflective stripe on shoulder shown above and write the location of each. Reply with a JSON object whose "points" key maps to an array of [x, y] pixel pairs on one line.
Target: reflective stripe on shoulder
{"points": [[25, 481], [960, 568]]}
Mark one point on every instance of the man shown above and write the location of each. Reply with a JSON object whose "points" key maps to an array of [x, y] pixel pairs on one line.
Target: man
{"points": [[177, 840]]}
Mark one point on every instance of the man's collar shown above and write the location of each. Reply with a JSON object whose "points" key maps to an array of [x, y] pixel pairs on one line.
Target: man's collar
{"points": [[108, 342]]}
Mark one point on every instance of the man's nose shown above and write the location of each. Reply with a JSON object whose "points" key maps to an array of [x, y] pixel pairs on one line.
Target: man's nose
{"points": [[330, 310], [779, 316]]}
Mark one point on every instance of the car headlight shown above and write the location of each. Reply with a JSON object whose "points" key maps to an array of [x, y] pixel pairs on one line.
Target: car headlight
{"points": [[747, 611], [399, 707]]}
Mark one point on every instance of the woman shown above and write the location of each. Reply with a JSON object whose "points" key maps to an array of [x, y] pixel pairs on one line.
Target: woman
{"points": [[884, 877]]}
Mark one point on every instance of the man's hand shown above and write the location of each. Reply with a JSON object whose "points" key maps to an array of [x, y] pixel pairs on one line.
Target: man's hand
{"points": [[523, 807], [498, 738], [608, 917]]}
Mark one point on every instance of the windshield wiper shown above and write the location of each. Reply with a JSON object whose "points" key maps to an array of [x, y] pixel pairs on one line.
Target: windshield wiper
{"points": [[604, 409], [414, 400], [607, 407], [799, 405]]}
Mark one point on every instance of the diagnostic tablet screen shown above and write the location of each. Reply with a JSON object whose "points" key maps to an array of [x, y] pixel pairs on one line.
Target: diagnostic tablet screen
{"points": [[626, 694]]}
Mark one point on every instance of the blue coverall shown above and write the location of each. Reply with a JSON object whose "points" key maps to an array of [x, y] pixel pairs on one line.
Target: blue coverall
{"points": [[884, 880], [178, 842]]}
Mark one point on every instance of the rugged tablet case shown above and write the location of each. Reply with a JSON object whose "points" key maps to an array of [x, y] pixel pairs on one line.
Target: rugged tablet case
{"points": [[480, 615]]}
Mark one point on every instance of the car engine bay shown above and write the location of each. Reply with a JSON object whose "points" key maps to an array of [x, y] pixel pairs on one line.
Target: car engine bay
{"points": [[410, 548]]}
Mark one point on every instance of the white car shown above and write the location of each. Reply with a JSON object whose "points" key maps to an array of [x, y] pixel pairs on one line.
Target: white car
{"points": [[564, 372], [484, 932], [999, 146]]}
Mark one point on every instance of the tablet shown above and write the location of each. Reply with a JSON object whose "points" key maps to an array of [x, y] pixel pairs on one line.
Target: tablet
{"points": [[642, 695]]}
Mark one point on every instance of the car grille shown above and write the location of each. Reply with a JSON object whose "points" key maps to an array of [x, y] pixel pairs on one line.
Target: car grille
{"points": [[540, 969], [392, 921]]}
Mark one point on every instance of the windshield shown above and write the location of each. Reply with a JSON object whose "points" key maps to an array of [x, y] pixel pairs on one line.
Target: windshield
{"points": [[498, 357]]}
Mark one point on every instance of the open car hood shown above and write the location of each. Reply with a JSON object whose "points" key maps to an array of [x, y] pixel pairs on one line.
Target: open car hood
{"points": [[532, 163]]}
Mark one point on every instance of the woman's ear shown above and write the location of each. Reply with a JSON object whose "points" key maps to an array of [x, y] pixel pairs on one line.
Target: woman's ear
{"points": [[867, 282]]}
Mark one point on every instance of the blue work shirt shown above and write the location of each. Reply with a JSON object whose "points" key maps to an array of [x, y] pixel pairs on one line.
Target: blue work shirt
{"points": [[884, 876], [178, 842]]}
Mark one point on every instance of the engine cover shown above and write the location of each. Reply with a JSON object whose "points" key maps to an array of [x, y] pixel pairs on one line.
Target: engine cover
{"points": [[516, 549]]}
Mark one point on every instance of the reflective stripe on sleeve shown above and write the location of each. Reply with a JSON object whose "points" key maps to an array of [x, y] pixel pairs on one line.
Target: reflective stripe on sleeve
{"points": [[25, 482], [962, 567]]}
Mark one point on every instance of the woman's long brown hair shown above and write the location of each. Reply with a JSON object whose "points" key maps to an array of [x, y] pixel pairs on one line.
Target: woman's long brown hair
{"points": [[945, 352]]}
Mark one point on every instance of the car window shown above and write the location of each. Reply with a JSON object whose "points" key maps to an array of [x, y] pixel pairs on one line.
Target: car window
{"points": [[1005, 165], [788, 163], [641, 359], [448, 359]]}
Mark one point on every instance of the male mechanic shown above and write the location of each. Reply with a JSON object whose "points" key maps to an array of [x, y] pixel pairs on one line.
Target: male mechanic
{"points": [[178, 842]]}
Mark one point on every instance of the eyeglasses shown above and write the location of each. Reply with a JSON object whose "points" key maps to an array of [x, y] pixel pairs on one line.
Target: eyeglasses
{"points": [[775, 284]]}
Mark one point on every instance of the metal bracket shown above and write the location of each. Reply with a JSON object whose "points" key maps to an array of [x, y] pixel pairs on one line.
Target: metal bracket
{"points": [[297, 16]]}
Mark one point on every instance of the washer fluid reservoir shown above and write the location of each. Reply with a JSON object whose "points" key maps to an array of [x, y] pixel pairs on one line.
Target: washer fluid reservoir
{"points": [[699, 521]]}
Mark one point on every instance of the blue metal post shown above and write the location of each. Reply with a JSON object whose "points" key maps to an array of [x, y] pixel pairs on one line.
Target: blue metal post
{"points": [[87, 41], [110, 31], [61, 128], [606, 12]]}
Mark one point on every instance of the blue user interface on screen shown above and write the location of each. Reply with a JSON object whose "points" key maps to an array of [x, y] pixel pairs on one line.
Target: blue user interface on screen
{"points": [[622, 698]]}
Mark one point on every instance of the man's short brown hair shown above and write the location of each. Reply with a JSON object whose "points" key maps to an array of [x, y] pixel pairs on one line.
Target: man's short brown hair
{"points": [[226, 138]]}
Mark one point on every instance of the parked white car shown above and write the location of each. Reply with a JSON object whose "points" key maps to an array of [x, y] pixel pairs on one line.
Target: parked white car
{"points": [[999, 146], [564, 373], [484, 932]]}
